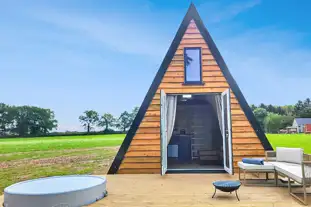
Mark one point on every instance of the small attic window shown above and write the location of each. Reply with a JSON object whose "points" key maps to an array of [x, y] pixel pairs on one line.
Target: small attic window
{"points": [[192, 66]]}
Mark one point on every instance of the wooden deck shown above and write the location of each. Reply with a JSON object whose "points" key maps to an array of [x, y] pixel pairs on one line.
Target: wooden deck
{"points": [[185, 190], [181, 190]]}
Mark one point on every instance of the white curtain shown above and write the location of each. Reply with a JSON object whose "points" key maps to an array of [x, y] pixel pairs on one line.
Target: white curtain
{"points": [[171, 104], [218, 109]]}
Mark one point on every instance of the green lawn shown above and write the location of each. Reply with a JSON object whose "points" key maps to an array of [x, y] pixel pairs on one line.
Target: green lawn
{"points": [[14, 145], [291, 140], [27, 158]]}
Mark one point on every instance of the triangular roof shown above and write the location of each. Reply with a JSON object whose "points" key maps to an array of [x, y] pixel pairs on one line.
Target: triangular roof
{"points": [[192, 14], [301, 121]]}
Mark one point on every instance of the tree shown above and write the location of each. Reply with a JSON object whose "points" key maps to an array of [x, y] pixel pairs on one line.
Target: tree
{"points": [[305, 112], [21, 123], [274, 122], [289, 110], [280, 110], [298, 107], [89, 119], [134, 112], [41, 121], [262, 106], [307, 102], [260, 115], [287, 121], [270, 108], [4, 118], [107, 120], [303, 108], [31, 120], [26, 120], [253, 107], [124, 121]]}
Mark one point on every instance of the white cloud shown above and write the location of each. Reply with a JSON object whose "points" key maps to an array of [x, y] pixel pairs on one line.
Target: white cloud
{"points": [[269, 64], [115, 31], [218, 11]]}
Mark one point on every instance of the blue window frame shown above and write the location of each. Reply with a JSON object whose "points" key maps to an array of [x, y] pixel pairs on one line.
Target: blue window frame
{"points": [[192, 65]]}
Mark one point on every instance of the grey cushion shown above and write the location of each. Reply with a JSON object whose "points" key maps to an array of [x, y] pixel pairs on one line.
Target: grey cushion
{"points": [[291, 155], [291, 170], [266, 166]]}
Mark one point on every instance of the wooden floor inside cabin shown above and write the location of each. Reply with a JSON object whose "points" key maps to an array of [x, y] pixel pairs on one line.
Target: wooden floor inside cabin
{"points": [[181, 190], [194, 166]]}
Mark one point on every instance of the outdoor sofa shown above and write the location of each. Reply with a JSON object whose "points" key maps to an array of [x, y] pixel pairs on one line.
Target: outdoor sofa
{"points": [[291, 163]]}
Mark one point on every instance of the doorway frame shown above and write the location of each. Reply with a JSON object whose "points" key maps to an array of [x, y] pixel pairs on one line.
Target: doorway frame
{"points": [[163, 132], [198, 170], [229, 157]]}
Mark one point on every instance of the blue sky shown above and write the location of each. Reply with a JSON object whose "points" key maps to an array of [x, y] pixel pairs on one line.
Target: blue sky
{"points": [[75, 55]]}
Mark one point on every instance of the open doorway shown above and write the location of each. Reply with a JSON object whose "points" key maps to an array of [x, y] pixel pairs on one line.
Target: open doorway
{"points": [[196, 133], [196, 142]]}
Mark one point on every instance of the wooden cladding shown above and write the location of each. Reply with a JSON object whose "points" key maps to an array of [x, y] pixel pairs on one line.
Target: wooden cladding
{"points": [[151, 118], [181, 86], [136, 142], [147, 136], [142, 130], [211, 73], [144, 153], [142, 160], [195, 90], [206, 79], [141, 165], [180, 58], [204, 51], [144, 147]]}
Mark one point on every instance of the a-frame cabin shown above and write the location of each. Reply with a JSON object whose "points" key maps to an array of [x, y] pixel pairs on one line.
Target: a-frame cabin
{"points": [[194, 117]]}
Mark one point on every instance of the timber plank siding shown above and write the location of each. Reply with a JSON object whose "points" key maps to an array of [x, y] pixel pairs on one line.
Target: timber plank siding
{"points": [[144, 155]]}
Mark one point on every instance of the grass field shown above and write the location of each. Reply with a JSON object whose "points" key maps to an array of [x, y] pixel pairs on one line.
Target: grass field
{"points": [[291, 140], [27, 158], [58, 143]]}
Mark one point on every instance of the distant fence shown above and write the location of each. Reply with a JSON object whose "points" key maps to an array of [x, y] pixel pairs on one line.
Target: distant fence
{"points": [[57, 134]]}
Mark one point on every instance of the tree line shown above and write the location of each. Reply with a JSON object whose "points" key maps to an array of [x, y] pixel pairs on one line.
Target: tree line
{"points": [[25, 121], [91, 119], [35, 121], [273, 118]]}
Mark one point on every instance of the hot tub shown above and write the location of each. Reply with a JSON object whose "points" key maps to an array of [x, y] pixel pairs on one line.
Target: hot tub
{"points": [[58, 191]]}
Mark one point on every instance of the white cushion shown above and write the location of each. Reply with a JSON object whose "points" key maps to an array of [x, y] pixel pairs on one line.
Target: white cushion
{"points": [[292, 155], [291, 170], [265, 166]]}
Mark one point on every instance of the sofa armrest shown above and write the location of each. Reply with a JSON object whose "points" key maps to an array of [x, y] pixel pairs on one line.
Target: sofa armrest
{"points": [[270, 155]]}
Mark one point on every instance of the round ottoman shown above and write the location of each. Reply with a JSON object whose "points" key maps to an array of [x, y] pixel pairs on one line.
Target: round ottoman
{"points": [[227, 186]]}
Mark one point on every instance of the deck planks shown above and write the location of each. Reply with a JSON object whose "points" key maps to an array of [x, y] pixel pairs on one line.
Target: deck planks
{"points": [[183, 190]]}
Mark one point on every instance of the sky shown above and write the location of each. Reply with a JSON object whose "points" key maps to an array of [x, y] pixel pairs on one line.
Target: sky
{"points": [[75, 55]]}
